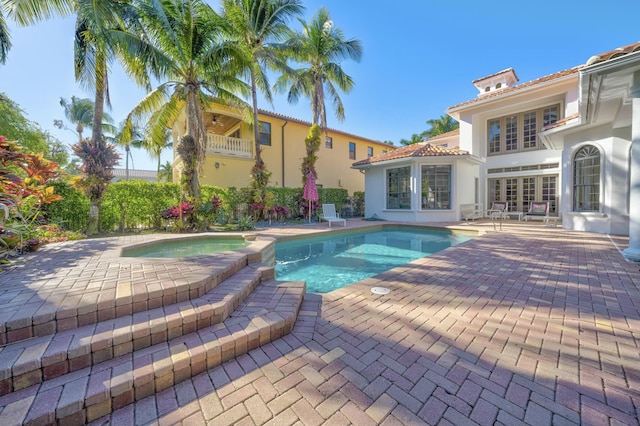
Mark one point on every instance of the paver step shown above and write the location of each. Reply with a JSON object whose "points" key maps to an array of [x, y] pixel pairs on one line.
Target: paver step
{"points": [[29, 362], [72, 309], [88, 394]]}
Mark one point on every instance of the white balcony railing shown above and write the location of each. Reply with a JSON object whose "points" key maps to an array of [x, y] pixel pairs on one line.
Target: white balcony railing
{"points": [[235, 147]]}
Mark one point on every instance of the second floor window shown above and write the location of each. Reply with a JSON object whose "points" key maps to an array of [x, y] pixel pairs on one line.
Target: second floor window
{"points": [[352, 151], [519, 132], [369, 151], [328, 142], [265, 133]]}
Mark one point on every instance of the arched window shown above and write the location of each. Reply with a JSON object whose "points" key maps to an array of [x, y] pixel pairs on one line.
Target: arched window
{"points": [[586, 179]]}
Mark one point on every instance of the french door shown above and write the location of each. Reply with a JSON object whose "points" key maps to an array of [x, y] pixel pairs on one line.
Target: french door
{"points": [[520, 192]]}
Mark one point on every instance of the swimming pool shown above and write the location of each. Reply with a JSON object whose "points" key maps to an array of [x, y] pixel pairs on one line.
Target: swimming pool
{"points": [[186, 247], [330, 262]]}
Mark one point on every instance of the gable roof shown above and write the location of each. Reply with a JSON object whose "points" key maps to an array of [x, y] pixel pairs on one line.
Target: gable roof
{"points": [[422, 149], [452, 133]]}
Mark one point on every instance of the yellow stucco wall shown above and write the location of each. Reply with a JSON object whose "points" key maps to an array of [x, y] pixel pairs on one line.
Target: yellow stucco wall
{"points": [[333, 165]]}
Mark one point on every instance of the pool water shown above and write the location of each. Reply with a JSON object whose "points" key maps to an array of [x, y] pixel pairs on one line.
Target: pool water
{"points": [[186, 247], [331, 262]]}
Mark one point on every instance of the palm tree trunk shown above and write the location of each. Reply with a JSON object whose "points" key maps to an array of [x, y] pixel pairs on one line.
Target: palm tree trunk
{"points": [[256, 123], [194, 129], [96, 135], [126, 162]]}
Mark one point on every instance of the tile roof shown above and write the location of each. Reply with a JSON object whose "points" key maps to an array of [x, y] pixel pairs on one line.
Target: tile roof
{"points": [[620, 51], [540, 80], [455, 132], [561, 122], [602, 57], [307, 123], [422, 149]]}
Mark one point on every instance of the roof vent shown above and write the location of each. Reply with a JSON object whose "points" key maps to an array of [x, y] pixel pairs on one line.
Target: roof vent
{"points": [[496, 82]]}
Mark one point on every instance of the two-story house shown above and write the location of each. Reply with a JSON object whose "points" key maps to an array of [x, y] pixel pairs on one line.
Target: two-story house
{"points": [[571, 139], [230, 151]]}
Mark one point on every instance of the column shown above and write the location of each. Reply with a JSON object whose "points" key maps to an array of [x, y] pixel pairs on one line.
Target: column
{"points": [[633, 251]]}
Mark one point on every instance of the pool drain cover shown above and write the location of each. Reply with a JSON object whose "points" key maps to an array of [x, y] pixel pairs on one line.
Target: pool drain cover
{"points": [[380, 290]]}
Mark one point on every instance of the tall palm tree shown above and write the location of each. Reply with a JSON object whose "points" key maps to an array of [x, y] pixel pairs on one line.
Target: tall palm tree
{"points": [[155, 145], [440, 125], [133, 137], [79, 111], [321, 46], [186, 37], [257, 28]]}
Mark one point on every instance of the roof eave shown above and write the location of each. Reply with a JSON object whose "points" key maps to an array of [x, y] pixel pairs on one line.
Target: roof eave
{"points": [[498, 97]]}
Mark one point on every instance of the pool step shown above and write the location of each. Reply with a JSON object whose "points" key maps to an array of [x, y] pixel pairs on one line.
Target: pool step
{"points": [[90, 393], [183, 280], [29, 362]]}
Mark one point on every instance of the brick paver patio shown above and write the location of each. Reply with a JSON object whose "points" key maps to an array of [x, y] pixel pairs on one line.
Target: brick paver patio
{"points": [[529, 325]]}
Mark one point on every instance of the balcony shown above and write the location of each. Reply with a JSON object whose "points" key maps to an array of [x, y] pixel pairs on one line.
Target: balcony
{"points": [[232, 147]]}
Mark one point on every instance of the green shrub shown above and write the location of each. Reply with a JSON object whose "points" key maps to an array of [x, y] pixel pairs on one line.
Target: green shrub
{"points": [[71, 213]]}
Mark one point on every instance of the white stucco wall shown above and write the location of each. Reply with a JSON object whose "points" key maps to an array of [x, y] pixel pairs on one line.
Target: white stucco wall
{"points": [[613, 217], [463, 178]]}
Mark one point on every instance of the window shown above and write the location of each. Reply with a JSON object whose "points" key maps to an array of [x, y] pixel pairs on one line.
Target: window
{"points": [[352, 151], [399, 188], [494, 136], [519, 132], [265, 133], [436, 187], [384, 151], [586, 179], [369, 151], [235, 134], [328, 142]]}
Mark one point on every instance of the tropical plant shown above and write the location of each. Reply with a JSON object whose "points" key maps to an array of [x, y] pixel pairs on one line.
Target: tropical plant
{"points": [[79, 111], [256, 29], [415, 138], [24, 189], [441, 125], [185, 36], [16, 127], [133, 137], [98, 160], [321, 46], [312, 144], [165, 172], [5, 39]]}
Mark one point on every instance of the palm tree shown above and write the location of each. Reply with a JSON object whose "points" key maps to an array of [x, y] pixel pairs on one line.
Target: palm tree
{"points": [[321, 45], [256, 28], [165, 172], [440, 125], [5, 39], [415, 138], [185, 36], [133, 137], [79, 111], [155, 144]]}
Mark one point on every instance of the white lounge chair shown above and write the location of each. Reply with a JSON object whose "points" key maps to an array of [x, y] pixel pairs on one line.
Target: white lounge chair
{"points": [[329, 214]]}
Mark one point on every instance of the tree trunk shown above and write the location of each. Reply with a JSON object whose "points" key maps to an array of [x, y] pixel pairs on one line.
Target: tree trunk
{"points": [[126, 162], [93, 226], [256, 123]]}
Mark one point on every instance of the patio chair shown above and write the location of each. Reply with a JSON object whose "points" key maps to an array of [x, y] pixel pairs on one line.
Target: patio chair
{"points": [[329, 214], [499, 210], [538, 210]]}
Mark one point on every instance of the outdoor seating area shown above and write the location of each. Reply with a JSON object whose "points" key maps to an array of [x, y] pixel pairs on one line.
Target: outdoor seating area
{"points": [[257, 352]]}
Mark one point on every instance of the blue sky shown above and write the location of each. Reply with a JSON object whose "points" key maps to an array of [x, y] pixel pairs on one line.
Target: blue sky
{"points": [[419, 58]]}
